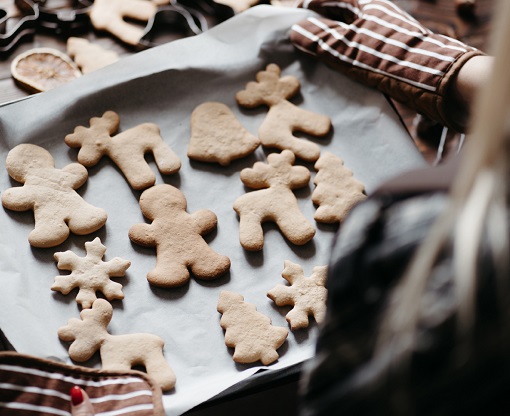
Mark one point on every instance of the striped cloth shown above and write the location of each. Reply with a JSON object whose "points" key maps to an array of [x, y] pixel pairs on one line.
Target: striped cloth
{"points": [[377, 43], [31, 386]]}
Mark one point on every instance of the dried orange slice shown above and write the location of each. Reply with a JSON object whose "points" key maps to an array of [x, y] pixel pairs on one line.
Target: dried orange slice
{"points": [[42, 69]]}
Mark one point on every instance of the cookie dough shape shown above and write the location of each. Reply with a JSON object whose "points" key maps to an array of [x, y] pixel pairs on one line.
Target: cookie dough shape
{"points": [[217, 135], [90, 274], [110, 15], [248, 331], [337, 191], [127, 149], [177, 236], [283, 118], [276, 203], [89, 56], [239, 5], [307, 295], [50, 193], [119, 353]]}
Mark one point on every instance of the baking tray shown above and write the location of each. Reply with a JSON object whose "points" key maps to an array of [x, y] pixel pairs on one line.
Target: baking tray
{"points": [[163, 85]]}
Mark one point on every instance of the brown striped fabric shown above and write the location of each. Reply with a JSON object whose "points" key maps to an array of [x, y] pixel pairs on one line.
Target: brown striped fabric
{"points": [[377, 43], [31, 386]]}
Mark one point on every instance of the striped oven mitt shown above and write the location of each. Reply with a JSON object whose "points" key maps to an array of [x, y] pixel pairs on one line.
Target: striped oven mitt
{"points": [[380, 45], [35, 386]]}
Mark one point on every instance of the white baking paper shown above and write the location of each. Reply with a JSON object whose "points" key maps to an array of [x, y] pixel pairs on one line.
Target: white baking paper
{"points": [[163, 85]]}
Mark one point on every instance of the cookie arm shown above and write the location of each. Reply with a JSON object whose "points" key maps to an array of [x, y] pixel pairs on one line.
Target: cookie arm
{"points": [[75, 175], [143, 235], [205, 220], [18, 199]]}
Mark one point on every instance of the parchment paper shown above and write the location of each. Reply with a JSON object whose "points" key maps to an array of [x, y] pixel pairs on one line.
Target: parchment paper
{"points": [[163, 85]]}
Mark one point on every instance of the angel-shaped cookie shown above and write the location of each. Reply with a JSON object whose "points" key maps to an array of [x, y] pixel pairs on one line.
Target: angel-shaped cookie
{"points": [[50, 193]]}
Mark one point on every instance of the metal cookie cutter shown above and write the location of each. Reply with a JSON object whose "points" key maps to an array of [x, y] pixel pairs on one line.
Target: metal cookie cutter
{"points": [[26, 26], [65, 21], [186, 21]]}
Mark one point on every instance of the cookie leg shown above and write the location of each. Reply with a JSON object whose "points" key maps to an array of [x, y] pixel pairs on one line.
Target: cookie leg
{"points": [[168, 162], [167, 274], [251, 234], [48, 233], [86, 220], [160, 371], [295, 227], [137, 172], [210, 265]]}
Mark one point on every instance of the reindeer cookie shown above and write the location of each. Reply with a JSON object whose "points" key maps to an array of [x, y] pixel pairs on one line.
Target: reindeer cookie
{"points": [[90, 274], [177, 237], [217, 135], [110, 15], [283, 118], [50, 193], [126, 149], [307, 295], [249, 331], [118, 352], [337, 191], [276, 203]]}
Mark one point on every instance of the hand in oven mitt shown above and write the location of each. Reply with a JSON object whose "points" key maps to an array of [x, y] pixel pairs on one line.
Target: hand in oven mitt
{"points": [[380, 45]]}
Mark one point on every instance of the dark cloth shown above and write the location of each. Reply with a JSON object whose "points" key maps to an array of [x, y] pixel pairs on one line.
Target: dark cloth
{"points": [[373, 248]]}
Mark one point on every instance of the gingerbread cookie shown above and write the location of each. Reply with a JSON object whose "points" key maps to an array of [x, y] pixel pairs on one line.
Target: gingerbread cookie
{"points": [[50, 193], [239, 5], [307, 295], [337, 191], [118, 352], [89, 56], [177, 236], [217, 135], [276, 203], [283, 118], [90, 274], [126, 149], [110, 15], [248, 331]]}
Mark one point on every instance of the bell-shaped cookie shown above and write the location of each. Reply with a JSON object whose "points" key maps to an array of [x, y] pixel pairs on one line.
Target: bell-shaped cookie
{"points": [[217, 135]]}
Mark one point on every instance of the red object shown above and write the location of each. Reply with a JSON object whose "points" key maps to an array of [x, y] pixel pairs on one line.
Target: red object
{"points": [[76, 396]]}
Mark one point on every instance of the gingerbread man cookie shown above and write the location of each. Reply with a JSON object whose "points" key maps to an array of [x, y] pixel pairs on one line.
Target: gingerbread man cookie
{"points": [[283, 118], [277, 203], [126, 149], [177, 237], [307, 295], [217, 135], [337, 191], [90, 274], [50, 193], [118, 352], [249, 331]]}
